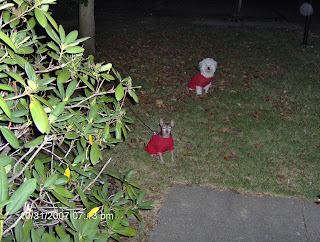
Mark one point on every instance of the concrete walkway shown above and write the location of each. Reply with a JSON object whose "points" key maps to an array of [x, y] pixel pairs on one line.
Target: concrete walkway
{"points": [[202, 214]]}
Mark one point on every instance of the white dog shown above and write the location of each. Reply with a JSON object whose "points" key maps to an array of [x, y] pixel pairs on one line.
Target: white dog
{"points": [[202, 81]]}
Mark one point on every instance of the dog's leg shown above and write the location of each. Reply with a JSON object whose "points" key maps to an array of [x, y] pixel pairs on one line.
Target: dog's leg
{"points": [[206, 88], [199, 90], [172, 155], [161, 159]]}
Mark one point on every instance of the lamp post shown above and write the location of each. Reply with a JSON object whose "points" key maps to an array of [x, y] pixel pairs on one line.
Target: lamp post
{"points": [[306, 10]]}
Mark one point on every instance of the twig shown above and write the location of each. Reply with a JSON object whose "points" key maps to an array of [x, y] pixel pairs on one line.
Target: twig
{"points": [[55, 67], [15, 223], [70, 148], [93, 95], [18, 162], [94, 180], [30, 160]]}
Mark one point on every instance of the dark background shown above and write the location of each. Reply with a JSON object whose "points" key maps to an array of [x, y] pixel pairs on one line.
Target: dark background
{"points": [[284, 11]]}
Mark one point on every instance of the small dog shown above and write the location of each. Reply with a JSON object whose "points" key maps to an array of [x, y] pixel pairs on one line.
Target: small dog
{"points": [[202, 80], [162, 141]]}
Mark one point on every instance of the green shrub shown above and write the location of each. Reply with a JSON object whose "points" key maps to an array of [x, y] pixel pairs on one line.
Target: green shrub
{"points": [[58, 110]]}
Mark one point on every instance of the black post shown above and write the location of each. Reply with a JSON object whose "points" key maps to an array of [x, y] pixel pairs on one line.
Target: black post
{"points": [[306, 28]]}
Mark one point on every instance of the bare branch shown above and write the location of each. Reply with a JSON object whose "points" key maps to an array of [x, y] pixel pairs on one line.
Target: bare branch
{"points": [[94, 180]]}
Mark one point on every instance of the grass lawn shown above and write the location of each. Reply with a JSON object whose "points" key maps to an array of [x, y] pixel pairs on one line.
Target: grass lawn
{"points": [[257, 131]]}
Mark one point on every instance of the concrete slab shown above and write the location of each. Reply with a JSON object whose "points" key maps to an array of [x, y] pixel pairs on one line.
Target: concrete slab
{"points": [[312, 215], [202, 214]]}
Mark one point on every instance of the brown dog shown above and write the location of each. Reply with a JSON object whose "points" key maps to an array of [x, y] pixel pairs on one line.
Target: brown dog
{"points": [[162, 141]]}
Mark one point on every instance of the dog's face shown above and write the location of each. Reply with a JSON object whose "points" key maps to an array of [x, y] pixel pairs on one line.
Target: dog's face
{"points": [[165, 128], [208, 67]]}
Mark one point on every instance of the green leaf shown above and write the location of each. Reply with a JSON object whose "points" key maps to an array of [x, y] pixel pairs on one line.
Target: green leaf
{"points": [[46, 81], [146, 205], [74, 49], [63, 76], [7, 40], [10, 137], [59, 109], [40, 169], [48, 16], [5, 160], [60, 231], [20, 113], [4, 106], [71, 88], [50, 180], [61, 198], [54, 46], [63, 192], [122, 202], [6, 5], [41, 18], [72, 36], [18, 232], [94, 153], [65, 117], [53, 35], [26, 230], [19, 2], [126, 231], [75, 221], [85, 80], [71, 135], [44, 101], [118, 131], [108, 77], [128, 175], [130, 192], [93, 112], [133, 95], [30, 72], [17, 77], [105, 67], [33, 143], [3, 185], [141, 196], [31, 23], [135, 185], [106, 131], [21, 195], [7, 88], [117, 196], [62, 34], [119, 92], [78, 41], [34, 236], [80, 158], [124, 131], [83, 198], [39, 116], [24, 50], [60, 180], [4, 203]]}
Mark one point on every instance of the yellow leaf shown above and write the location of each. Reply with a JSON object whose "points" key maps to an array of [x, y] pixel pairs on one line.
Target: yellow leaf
{"points": [[93, 212], [90, 139], [67, 174]]}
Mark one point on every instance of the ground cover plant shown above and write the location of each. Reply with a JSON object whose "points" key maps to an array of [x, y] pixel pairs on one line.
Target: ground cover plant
{"points": [[256, 132], [58, 111]]}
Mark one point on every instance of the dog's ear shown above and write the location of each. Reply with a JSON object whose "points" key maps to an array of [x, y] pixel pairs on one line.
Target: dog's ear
{"points": [[161, 122], [172, 123]]}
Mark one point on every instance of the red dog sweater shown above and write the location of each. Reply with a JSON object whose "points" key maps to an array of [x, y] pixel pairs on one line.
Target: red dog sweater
{"points": [[199, 80], [157, 144]]}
